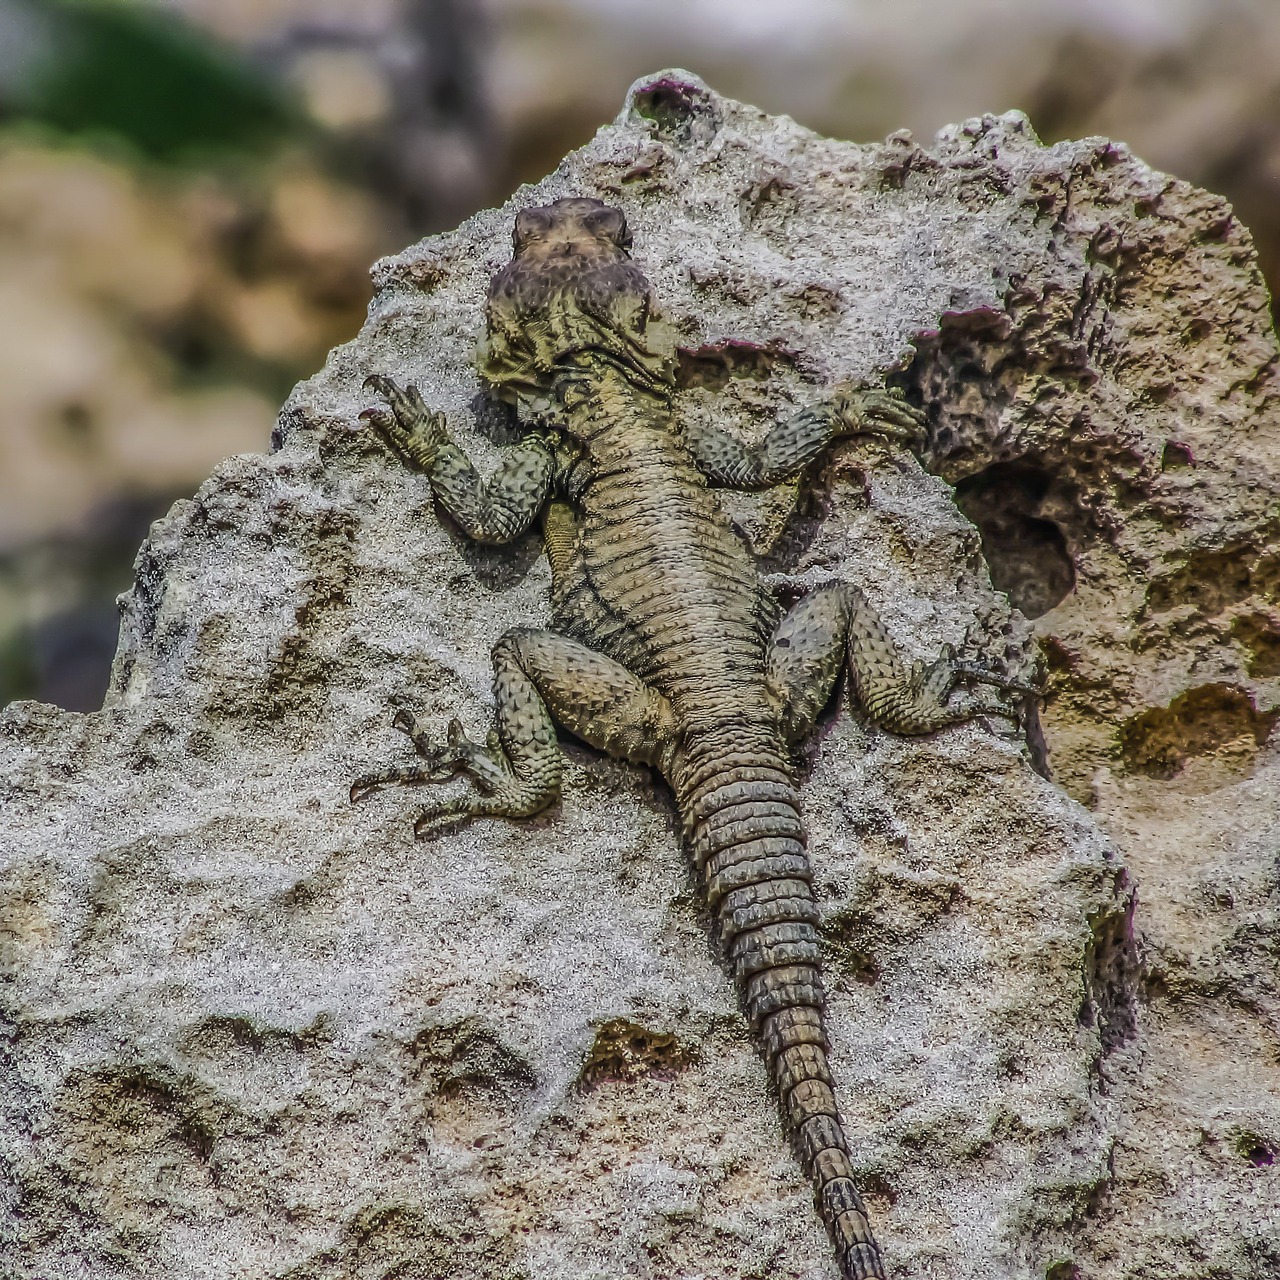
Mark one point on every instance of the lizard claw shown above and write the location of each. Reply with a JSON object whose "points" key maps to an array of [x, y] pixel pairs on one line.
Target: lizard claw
{"points": [[363, 785], [1019, 693], [405, 402], [877, 411], [379, 418], [888, 413], [439, 762], [440, 770], [979, 673], [406, 423], [430, 820]]}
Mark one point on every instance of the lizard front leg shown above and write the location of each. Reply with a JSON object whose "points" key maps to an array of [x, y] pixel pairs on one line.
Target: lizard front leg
{"points": [[790, 446], [835, 625], [495, 510], [540, 679]]}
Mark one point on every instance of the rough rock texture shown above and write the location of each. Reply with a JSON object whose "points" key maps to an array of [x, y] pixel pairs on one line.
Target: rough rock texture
{"points": [[1191, 85], [251, 1030]]}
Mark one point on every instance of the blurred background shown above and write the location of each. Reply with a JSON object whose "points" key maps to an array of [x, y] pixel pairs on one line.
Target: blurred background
{"points": [[191, 192]]}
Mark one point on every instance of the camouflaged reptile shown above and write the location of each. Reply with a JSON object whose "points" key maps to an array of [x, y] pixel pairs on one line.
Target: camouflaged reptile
{"points": [[665, 649]]}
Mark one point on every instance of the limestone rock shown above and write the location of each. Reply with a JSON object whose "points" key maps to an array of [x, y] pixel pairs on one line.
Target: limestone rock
{"points": [[253, 1030]]}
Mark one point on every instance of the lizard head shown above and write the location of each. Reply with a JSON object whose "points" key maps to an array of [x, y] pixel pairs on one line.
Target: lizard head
{"points": [[569, 295], [577, 228]]}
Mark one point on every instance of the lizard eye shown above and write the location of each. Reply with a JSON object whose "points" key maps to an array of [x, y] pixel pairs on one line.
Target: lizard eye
{"points": [[611, 224], [529, 223]]}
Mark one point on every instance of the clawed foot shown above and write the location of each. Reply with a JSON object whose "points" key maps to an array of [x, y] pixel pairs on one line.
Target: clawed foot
{"points": [[407, 424], [976, 673], [969, 672], [458, 754], [502, 794], [881, 412]]}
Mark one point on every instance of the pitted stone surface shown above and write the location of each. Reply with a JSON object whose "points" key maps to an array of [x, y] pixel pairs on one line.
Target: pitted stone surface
{"points": [[252, 1030]]}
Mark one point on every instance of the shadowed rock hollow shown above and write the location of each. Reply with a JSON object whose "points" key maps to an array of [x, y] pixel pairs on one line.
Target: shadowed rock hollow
{"points": [[252, 1030]]}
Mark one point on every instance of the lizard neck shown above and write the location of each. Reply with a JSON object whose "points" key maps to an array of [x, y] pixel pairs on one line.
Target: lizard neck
{"points": [[606, 409]]}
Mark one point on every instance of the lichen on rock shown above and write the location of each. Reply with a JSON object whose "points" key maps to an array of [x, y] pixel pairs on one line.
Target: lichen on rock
{"points": [[252, 1030]]}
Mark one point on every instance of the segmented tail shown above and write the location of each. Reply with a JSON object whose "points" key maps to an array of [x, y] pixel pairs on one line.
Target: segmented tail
{"points": [[749, 844]]}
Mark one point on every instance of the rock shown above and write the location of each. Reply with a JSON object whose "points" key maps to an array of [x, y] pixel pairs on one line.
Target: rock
{"points": [[252, 1029], [1190, 87]]}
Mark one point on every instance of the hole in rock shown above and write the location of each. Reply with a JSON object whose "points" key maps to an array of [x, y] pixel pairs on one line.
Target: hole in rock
{"points": [[1026, 553], [1111, 977], [1212, 720], [714, 364], [625, 1051], [1176, 456], [1257, 1150], [1259, 633], [669, 103], [1212, 580]]}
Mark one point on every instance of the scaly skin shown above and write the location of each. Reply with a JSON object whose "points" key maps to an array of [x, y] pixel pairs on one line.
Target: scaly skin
{"points": [[662, 649]]}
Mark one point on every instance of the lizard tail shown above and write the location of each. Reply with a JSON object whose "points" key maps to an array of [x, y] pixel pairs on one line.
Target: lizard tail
{"points": [[749, 844]]}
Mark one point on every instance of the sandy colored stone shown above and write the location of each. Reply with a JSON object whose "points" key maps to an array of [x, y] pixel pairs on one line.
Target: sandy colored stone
{"points": [[253, 1030]]}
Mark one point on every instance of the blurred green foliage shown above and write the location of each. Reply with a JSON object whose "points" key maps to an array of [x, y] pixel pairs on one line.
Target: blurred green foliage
{"points": [[138, 73], [19, 674]]}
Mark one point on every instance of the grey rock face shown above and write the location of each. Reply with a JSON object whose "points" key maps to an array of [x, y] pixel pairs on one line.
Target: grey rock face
{"points": [[251, 1030]]}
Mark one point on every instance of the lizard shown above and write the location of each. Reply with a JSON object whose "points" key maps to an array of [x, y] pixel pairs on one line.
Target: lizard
{"points": [[664, 648]]}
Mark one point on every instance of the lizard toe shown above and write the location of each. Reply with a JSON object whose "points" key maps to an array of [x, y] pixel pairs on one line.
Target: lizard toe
{"points": [[363, 785]]}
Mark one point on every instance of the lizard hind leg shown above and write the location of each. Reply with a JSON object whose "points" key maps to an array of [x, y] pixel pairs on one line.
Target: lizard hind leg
{"points": [[540, 679], [836, 624], [916, 699], [598, 699], [438, 767], [806, 656]]}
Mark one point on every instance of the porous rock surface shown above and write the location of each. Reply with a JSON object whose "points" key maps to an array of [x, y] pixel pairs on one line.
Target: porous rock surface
{"points": [[252, 1030]]}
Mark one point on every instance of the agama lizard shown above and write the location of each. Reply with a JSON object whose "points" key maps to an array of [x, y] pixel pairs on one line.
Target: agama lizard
{"points": [[665, 649]]}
